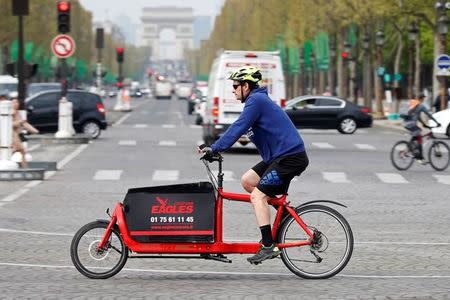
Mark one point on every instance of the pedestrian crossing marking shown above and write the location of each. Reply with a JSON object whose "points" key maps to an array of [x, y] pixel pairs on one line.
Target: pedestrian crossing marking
{"points": [[323, 145], [335, 177], [365, 147], [445, 179], [195, 126], [391, 178], [167, 143], [165, 175], [140, 126], [168, 126], [108, 175], [127, 143]]}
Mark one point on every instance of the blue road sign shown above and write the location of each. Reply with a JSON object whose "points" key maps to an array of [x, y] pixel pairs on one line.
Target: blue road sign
{"points": [[443, 62]]}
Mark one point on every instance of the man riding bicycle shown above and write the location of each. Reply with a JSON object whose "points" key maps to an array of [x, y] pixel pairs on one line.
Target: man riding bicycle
{"points": [[279, 144], [416, 107]]}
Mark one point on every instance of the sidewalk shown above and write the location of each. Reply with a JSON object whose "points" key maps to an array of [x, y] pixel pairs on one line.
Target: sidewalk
{"points": [[391, 124]]}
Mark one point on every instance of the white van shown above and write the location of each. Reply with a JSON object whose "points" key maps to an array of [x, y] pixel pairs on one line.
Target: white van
{"points": [[163, 89], [8, 85], [222, 108]]}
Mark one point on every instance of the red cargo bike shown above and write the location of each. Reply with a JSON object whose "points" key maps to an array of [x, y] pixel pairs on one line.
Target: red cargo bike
{"points": [[185, 221]]}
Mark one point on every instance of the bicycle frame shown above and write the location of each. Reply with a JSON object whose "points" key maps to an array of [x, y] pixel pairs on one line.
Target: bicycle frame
{"points": [[218, 246]]}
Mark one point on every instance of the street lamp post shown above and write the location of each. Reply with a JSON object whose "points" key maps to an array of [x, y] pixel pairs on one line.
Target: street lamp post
{"points": [[331, 69], [413, 32], [442, 30], [367, 86], [379, 41]]}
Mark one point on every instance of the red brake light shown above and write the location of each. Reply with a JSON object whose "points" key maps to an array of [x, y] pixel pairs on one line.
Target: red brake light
{"points": [[216, 101], [101, 108], [283, 103], [365, 110], [251, 55]]}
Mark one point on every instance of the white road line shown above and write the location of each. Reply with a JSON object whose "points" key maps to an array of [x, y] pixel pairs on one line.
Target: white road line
{"points": [[167, 143], [127, 143], [140, 126], [165, 271], [323, 145], [35, 232], [15, 195], [391, 178], [33, 183], [445, 179], [335, 177], [71, 156], [195, 126], [165, 175], [121, 120], [365, 147], [107, 175], [32, 148], [168, 126]]}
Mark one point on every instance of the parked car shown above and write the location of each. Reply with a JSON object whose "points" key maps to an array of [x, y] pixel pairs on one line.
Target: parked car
{"points": [[88, 115], [34, 88], [443, 117], [324, 112]]}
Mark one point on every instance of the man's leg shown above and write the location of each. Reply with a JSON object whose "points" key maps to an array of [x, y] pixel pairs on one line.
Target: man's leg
{"points": [[250, 180], [261, 207]]}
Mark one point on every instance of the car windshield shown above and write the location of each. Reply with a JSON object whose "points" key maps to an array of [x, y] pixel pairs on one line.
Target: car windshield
{"points": [[8, 87], [34, 89]]}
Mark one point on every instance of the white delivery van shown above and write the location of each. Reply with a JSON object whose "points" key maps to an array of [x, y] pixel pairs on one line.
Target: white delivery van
{"points": [[8, 85], [163, 89], [222, 108]]}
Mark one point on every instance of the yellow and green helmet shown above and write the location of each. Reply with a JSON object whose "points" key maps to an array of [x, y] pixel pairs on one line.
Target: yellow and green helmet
{"points": [[248, 73]]}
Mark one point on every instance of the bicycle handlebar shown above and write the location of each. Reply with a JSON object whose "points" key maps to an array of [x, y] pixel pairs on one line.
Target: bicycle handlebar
{"points": [[210, 157]]}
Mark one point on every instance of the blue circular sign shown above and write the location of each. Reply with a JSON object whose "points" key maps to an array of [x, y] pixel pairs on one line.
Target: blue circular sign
{"points": [[443, 62]]}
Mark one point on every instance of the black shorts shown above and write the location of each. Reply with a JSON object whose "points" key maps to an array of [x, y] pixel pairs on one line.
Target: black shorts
{"points": [[276, 176]]}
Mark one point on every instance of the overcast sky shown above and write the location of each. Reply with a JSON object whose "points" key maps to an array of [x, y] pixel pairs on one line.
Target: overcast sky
{"points": [[109, 9]]}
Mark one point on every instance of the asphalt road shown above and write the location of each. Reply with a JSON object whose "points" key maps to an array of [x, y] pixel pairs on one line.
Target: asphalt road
{"points": [[399, 219]]}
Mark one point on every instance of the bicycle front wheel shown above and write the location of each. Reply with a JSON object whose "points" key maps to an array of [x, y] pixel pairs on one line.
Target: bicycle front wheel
{"points": [[95, 263], [401, 156], [439, 155], [331, 250]]}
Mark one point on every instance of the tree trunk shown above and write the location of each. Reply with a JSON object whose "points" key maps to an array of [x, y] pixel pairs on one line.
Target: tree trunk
{"points": [[417, 65], [398, 57]]}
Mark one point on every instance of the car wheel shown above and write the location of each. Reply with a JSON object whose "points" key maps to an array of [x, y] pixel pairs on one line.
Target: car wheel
{"points": [[448, 130], [347, 125], [91, 128]]}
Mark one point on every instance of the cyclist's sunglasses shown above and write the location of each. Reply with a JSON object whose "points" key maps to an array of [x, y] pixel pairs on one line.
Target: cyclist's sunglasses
{"points": [[235, 86]]}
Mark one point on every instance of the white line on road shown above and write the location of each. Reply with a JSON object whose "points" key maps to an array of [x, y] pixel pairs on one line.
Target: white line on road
{"points": [[168, 126], [167, 143], [36, 232], [140, 126], [127, 143], [71, 156], [445, 179], [15, 195], [391, 178], [165, 271], [108, 174], [195, 126], [335, 177], [34, 147], [165, 175], [121, 120], [33, 183], [365, 147], [323, 145]]}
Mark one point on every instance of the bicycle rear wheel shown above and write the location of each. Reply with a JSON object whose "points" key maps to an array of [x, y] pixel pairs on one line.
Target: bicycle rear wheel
{"points": [[439, 155], [401, 156], [94, 263], [332, 249]]}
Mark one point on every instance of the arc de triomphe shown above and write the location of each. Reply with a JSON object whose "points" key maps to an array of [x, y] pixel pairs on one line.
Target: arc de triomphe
{"points": [[180, 20]]}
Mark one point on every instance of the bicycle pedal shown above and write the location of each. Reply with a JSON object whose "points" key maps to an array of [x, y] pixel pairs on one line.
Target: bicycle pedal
{"points": [[218, 257]]}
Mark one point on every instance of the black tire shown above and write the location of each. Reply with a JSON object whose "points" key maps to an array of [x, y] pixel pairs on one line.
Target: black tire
{"points": [[91, 128], [115, 246], [347, 125], [341, 245], [439, 155], [448, 131], [402, 157]]}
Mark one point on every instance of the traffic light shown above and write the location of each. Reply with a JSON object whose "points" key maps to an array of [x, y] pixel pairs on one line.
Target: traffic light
{"points": [[63, 16], [345, 55], [119, 52]]}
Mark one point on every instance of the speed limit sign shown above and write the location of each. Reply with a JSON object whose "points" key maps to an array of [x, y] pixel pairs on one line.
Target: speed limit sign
{"points": [[63, 46]]}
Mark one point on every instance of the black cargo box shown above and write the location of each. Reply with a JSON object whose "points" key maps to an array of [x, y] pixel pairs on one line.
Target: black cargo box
{"points": [[171, 213]]}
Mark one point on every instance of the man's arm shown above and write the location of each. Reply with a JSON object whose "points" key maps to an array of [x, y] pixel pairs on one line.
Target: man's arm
{"points": [[238, 128]]}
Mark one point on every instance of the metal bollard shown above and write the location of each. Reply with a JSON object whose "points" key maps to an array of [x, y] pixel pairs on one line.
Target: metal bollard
{"points": [[6, 131], [119, 106], [65, 128]]}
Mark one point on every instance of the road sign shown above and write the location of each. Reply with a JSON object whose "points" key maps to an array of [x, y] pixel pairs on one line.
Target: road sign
{"points": [[443, 62], [63, 46]]}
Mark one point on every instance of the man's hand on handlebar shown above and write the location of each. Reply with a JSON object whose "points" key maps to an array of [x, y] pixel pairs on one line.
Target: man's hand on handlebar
{"points": [[207, 153]]}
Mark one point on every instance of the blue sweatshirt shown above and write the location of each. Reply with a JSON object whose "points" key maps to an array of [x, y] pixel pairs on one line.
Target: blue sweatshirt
{"points": [[267, 126]]}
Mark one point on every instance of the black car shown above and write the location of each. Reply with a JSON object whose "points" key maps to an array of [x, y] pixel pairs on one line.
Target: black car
{"points": [[88, 111], [324, 112]]}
